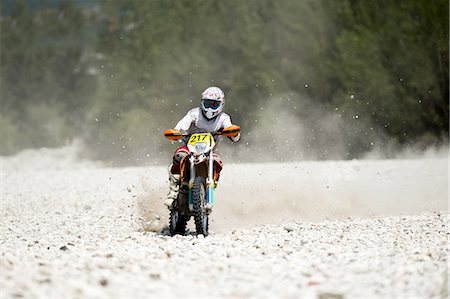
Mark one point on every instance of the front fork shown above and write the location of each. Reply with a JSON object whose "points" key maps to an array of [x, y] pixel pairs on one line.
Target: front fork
{"points": [[209, 183], [191, 182]]}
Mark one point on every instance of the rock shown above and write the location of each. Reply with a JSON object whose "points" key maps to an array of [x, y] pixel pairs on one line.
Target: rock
{"points": [[44, 280], [288, 229], [64, 248], [330, 296], [155, 276], [103, 282]]}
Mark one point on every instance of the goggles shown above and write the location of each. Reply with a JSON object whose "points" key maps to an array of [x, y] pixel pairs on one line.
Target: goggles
{"points": [[214, 104]]}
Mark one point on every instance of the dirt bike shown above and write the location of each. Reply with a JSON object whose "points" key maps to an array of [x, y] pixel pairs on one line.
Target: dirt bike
{"points": [[197, 181]]}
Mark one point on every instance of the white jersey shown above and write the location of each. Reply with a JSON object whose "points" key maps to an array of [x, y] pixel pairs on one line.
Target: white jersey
{"points": [[194, 121]]}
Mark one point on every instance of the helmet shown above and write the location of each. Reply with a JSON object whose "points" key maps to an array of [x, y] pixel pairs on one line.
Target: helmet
{"points": [[212, 102]]}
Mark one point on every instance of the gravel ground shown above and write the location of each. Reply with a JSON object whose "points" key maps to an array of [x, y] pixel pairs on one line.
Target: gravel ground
{"points": [[363, 229]]}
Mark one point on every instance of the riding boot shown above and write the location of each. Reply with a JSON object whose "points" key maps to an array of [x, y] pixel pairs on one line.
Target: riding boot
{"points": [[174, 187]]}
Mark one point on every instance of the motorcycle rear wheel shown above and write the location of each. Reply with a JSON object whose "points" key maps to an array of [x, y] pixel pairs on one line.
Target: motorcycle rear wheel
{"points": [[198, 200]]}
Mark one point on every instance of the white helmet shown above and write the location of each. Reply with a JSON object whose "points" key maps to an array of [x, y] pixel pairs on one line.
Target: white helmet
{"points": [[212, 102]]}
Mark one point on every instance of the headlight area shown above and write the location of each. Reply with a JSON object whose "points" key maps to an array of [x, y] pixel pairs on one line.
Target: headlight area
{"points": [[200, 147]]}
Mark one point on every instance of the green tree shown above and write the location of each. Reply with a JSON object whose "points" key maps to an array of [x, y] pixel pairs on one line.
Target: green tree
{"points": [[391, 66]]}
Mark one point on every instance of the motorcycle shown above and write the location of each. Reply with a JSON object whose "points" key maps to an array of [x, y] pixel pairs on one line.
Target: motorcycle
{"points": [[198, 178]]}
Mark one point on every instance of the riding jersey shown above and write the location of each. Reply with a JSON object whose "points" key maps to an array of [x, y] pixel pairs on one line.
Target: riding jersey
{"points": [[194, 121]]}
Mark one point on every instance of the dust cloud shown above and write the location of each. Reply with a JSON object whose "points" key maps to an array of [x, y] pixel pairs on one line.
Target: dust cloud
{"points": [[284, 130], [295, 128]]}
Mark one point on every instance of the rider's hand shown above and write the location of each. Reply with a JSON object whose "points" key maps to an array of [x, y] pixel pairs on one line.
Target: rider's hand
{"points": [[235, 138]]}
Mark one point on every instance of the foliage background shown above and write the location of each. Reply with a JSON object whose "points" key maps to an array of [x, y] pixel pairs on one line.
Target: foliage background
{"points": [[305, 79]]}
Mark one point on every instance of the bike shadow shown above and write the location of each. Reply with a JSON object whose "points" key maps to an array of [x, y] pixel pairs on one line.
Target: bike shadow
{"points": [[165, 231]]}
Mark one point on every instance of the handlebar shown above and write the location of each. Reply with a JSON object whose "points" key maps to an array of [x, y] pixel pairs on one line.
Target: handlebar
{"points": [[230, 131]]}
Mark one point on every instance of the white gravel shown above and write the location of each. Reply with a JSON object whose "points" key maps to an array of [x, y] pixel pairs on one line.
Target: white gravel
{"points": [[363, 229]]}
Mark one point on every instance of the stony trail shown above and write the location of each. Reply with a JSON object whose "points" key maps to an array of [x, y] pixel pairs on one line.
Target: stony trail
{"points": [[335, 229]]}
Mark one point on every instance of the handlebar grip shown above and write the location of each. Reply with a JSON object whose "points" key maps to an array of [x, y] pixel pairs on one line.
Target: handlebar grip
{"points": [[173, 134]]}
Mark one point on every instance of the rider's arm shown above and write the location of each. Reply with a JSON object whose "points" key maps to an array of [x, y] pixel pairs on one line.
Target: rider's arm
{"points": [[226, 123], [185, 123]]}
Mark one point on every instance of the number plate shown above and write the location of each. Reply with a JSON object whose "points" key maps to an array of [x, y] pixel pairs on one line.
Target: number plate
{"points": [[202, 137]]}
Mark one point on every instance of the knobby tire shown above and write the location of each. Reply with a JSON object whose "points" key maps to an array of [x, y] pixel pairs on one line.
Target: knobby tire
{"points": [[198, 200]]}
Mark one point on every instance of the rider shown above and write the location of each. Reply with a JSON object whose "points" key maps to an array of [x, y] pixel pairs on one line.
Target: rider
{"points": [[206, 118]]}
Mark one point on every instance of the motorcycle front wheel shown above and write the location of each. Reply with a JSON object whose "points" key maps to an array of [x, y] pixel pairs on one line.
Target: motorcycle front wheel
{"points": [[199, 202]]}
